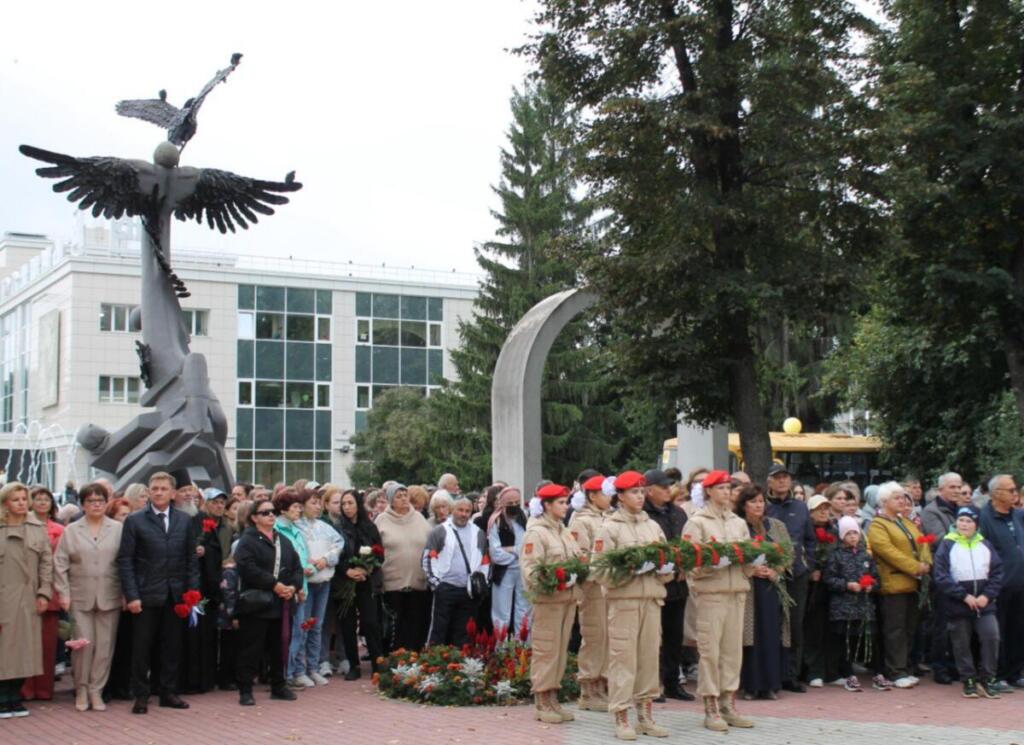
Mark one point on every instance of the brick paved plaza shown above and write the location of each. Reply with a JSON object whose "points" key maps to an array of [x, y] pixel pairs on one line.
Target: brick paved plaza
{"points": [[353, 713]]}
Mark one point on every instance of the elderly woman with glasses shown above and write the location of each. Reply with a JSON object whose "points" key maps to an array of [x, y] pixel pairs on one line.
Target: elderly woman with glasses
{"points": [[270, 575], [904, 561]]}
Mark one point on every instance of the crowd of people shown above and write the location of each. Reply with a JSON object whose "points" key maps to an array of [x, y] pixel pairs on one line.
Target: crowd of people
{"points": [[163, 589]]}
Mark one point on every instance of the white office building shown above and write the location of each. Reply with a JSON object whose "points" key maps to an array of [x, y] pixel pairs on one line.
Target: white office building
{"points": [[297, 350]]}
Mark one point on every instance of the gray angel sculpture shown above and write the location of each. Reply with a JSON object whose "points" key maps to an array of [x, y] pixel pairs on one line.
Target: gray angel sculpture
{"points": [[187, 432]]}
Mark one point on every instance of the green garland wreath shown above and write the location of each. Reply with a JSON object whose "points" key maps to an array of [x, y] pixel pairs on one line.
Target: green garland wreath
{"points": [[557, 576]]}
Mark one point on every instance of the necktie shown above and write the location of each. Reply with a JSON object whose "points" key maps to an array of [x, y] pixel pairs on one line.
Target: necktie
{"points": [[163, 520]]}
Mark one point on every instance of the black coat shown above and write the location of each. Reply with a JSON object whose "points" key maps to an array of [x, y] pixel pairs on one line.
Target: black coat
{"points": [[846, 565], [212, 560], [672, 520], [157, 566], [357, 535], [797, 519], [254, 556]]}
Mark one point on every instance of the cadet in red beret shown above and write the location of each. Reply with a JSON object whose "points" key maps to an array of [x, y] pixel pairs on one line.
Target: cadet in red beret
{"points": [[634, 613], [584, 525], [548, 541]]}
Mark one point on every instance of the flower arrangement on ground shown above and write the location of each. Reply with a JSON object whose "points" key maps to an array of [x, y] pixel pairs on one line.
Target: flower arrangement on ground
{"points": [[491, 669]]}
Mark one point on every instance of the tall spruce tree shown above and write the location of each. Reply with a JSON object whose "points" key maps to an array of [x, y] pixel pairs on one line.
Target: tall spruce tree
{"points": [[539, 210]]}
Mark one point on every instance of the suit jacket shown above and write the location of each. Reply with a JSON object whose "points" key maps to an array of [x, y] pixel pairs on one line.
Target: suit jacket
{"points": [[85, 570], [157, 566]]}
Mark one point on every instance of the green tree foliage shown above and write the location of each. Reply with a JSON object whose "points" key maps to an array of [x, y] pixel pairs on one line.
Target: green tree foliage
{"points": [[539, 209], [396, 442], [717, 137], [946, 338]]}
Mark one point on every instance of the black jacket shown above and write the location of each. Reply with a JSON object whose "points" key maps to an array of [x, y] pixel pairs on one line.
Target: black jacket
{"points": [[357, 535], [1006, 534], [849, 565], [211, 561], [254, 556], [794, 514], [157, 566], [672, 519]]}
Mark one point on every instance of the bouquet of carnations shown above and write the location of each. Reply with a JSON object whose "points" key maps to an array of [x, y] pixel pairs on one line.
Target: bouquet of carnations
{"points": [[192, 605]]}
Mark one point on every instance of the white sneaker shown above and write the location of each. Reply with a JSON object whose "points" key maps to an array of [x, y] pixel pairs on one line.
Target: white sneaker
{"points": [[341, 668], [816, 683], [915, 679], [60, 668], [325, 669], [906, 681], [319, 679], [304, 681], [839, 682]]}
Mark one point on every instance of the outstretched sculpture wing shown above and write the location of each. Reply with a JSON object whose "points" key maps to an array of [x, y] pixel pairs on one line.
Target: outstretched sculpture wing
{"points": [[112, 187], [227, 198], [154, 110], [183, 127]]}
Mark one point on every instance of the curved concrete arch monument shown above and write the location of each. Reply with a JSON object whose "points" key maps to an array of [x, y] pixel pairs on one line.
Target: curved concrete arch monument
{"points": [[516, 454]]}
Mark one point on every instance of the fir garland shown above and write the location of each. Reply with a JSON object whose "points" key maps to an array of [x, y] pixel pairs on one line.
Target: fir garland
{"points": [[557, 576]]}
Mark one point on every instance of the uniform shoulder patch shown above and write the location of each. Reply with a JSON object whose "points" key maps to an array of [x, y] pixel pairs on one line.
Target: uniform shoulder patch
{"points": [[527, 548], [575, 534], [599, 544]]}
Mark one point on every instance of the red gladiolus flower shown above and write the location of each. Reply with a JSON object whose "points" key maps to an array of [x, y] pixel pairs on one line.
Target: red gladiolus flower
{"points": [[191, 597], [378, 550], [524, 629], [181, 610], [209, 525], [866, 581], [471, 628], [560, 574]]}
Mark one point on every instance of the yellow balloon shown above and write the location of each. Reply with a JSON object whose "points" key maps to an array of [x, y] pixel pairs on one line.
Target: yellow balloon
{"points": [[792, 426]]}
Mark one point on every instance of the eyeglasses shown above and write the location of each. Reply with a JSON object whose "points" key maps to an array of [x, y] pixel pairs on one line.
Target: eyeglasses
{"points": [[264, 513], [1010, 489], [95, 501]]}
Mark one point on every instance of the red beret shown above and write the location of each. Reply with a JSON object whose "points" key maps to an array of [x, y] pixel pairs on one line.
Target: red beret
{"points": [[594, 483], [629, 480], [552, 491], [715, 478]]}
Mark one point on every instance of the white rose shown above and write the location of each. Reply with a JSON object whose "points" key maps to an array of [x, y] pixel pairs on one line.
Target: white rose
{"points": [[365, 550]]}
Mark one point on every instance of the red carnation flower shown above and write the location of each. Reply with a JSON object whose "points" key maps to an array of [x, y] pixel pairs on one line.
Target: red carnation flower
{"points": [[308, 623], [433, 554], [830, 538], [485, 561], [181, 610], [191, 597], [378, 550], [560, 574], [209, 525], [926, 539], [866, 581], [821, 534]]}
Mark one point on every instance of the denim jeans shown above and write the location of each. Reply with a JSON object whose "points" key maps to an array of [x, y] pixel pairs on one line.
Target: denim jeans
{"points": [[304, 650]]}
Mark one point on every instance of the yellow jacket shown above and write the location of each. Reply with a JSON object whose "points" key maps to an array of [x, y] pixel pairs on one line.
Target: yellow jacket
{"points": [[897, 556]]}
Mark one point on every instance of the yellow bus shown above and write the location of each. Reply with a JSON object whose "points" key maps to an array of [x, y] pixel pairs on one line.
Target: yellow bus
{"points": [[812, 458]]}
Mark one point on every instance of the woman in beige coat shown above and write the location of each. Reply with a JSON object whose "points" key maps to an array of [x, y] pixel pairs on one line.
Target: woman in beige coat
{"points": [[26, 572], [87, 581]]}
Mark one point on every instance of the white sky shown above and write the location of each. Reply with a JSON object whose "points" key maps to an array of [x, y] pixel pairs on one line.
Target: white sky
{"points": [[391, 114]]}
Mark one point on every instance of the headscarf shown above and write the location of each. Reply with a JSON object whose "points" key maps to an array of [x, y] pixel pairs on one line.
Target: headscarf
{"points": [[510, 496]]}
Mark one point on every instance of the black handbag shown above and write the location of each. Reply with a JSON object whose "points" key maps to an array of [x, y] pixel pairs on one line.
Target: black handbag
{"points": [[253, 602], [479, 586]]}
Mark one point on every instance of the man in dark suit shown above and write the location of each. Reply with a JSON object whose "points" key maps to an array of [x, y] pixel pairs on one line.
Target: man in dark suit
{"points": [[659, 506], [158, 564]]}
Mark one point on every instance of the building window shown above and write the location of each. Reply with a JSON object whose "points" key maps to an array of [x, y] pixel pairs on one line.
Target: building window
{"points": [[246, 326], [118, 389], [9, 346], [115, 317], [196, 321], [323, 395], [245, 393]]}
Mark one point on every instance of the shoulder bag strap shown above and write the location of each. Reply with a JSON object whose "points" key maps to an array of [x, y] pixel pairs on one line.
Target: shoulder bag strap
{"points": [[461, 549], [277, 556]]}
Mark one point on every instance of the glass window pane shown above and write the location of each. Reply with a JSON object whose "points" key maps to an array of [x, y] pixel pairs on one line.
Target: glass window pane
{"points": [[323, 396], [323, 361], [246, 297], [414, 334], [435, 334], [385, 332], [435, 366], [120, 318], [299, 430], [301, 300], [245, 393], [104, 388], [117, 388], [133, 390], [270, 298], [246, 325], [300, 328], [322, 471], [323, 431], [270, 395], [106, 312], [298, 455], [270, 360], [243, 471], [385, 306], [269, 326], [245, 358], [299, 357], [243, 454], [300, 396], [323, 328], [324, 302], [362, 364], [360, 421], [269, 429], [322, 454], [362, 397], [201, 323], [243, 432], [435, 307], [364, 304], [269, 455], [414, 367], [269, 473], [385, 365], [362, 331], [299, 470], [414, 308]]}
